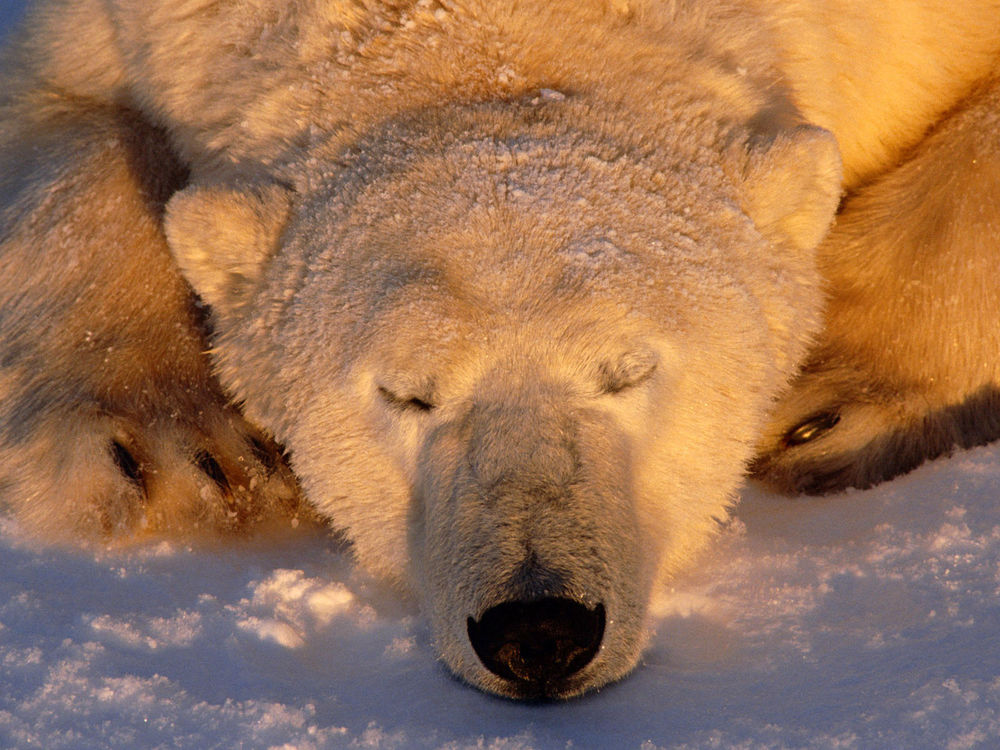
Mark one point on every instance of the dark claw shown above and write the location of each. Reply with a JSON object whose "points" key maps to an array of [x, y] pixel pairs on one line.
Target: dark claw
{"points": [[207, 463], [127, 464]]}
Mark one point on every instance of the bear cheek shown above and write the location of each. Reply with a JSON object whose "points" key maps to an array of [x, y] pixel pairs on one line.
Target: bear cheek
{"points": [[336, 455]]}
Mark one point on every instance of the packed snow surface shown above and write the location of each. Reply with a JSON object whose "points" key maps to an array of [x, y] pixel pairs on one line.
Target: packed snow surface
{"points": [[865, 620]]}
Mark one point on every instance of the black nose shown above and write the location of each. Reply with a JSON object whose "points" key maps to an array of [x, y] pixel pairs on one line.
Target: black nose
{"points": [[537, 643]]}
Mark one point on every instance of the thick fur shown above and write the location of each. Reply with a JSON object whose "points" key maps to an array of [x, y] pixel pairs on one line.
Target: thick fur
{"points": [[516, 283], [111, 424], [111, 420], [906, 367]]}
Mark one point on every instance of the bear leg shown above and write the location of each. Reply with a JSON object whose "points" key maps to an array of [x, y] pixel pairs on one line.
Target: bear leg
{"points": [[111, 422], [908, 365]]}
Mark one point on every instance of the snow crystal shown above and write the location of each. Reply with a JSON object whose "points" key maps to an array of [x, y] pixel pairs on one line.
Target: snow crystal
{"points": [[548, 95]]}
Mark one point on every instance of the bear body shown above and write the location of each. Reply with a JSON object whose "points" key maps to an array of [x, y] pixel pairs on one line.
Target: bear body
{"points": [[521, 287]]}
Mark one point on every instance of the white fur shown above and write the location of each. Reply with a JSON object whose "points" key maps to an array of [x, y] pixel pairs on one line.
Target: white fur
{"points": [[596, 295]]}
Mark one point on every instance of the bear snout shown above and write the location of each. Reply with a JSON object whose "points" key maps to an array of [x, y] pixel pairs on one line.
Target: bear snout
{"points": [[537, 645]]}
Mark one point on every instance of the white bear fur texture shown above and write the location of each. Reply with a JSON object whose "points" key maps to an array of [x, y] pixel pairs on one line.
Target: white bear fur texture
{"points": [[521, 287]]}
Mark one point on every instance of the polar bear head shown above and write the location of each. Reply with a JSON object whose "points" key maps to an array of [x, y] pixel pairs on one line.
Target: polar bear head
{"points": [[521, 363]]}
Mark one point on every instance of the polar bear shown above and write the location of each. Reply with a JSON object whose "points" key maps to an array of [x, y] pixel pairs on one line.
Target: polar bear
{"points": [[516, 289]]}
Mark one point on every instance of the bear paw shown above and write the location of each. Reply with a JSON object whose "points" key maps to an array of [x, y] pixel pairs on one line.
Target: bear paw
{"points": [[838, 427], [88, 473]]}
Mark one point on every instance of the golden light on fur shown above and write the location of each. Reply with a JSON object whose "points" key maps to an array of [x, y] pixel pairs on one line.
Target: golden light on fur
{"points": [[511, 293]]}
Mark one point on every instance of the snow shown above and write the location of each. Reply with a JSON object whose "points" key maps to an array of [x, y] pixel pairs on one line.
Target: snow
{"points": [[10, 12], [865, 620], [868, 619]]}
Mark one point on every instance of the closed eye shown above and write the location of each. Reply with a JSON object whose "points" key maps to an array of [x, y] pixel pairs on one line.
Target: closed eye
{"points": [[625, 373], [405, 403]]}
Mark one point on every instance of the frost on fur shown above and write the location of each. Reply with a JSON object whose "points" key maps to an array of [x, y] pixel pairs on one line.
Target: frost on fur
{"points": [[517, 290]]}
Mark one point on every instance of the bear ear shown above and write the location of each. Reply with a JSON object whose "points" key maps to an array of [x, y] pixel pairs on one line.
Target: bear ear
{"points": [[223, 236], [790, 183]]}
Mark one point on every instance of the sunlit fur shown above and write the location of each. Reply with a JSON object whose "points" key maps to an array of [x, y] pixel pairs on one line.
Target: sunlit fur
{"points": [[517, 284], [908, 359]]}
